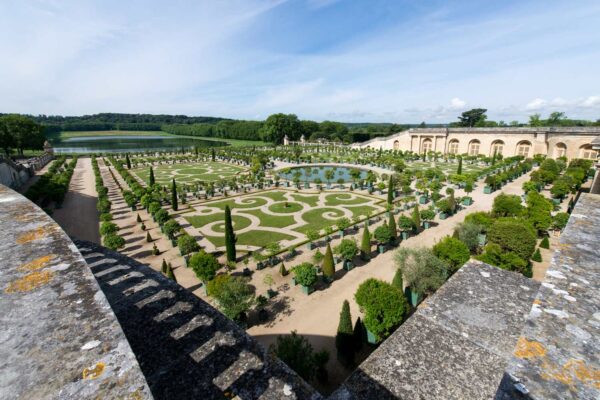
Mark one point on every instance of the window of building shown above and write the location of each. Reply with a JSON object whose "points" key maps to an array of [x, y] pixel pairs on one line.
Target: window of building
{"points": [[523, 149], [497, 148], [588, 153], [474, 148], [427, 146], [453, 147], [396, 145], [560, 150]]}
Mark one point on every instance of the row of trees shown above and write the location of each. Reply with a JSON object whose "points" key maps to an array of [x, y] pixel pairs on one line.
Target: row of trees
{"points": [[20, 133], [54, 184], [477, 117]]}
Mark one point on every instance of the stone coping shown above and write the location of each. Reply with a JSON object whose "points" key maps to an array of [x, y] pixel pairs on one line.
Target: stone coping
{"points": [[557, 355], [59, 336]]}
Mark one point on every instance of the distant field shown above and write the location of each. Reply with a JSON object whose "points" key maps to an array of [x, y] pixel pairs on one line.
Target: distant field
{"points": [[71, 134]]}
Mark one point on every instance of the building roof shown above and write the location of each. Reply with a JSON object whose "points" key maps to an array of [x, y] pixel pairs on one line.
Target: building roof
{"points": [[456, 345], [557, 355]]}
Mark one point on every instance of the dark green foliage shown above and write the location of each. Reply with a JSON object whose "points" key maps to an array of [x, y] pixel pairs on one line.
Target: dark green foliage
{"points": [[187, 244], [204, 265], [539, 211], [283, 270], [171, 228], [423, 272], [397, 282], [174, 196], [365, 244], [405, 223], [305, 274], [383, 305], [390, 194], [113, 241], [328, 267], [235, 296], [416, 217], [453, 251], [344, 339], [392, 227], [506, 205], [164, 266], [347, 249], [495, 255], [359, 334], [513, 236], [107, 228], [127, 161], [230, 238], [459, 169], [545, 243], [560, 220], [138, 219], [155, 250], [151, 180], [382, 234], [480, 218], [468, 233], [170, 273], [473, 117], [537, 256], [148, 237], [297, 353], [277, 126]]}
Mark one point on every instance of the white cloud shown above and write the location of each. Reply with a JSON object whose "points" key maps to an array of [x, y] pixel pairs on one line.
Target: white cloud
{"points": [[457, 104], [536, 104], [591, 101]]}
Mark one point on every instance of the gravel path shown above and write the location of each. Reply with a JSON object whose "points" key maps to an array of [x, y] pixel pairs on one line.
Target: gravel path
{"points": [[78, 215]]}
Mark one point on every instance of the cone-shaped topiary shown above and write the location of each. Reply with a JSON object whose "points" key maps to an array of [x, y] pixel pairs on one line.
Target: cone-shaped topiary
{"points": [[358, 334], [148, 237], [365, 244], [392, 227], [390, 194], [397, 282], [230, 238], [344, 337], [283, 270], [127, 161], [170, 273], [328, 264], [138, 219], [545, 243], [164, 266], [416, 217], [151, 180], [537, 256], [174, 204], [459, 170], [155, 250]]}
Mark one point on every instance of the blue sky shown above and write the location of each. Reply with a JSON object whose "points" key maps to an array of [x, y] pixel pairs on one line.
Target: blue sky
{"points": [[372, 60]]}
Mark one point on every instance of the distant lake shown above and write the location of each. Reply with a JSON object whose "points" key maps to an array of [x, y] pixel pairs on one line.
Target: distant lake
{"points": [[125, 143]]}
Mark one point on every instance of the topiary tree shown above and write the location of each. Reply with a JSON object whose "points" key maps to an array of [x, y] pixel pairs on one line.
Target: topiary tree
{"points": [[390, 193], [545, 243], [358, 334], [495, 255], [171, 228], [174, 204], [235, 297], [151, 180], [230, 237], [347, 249], [138, 219], [187, 244], [416, 217], [537, 256], [148, 237], [164, 266], [405, 223], [344, 336], [305, 274], [297, 353], [127, 161], [204, 265], [162, 216], [459, 169], [513, 236], [560, 220], [328, 267], [383, 305], [453, 251], [392, 227], [282, 270], [507, 205], [107, 228], [382, 234], [398, 282], [113, 241], [170, 274], [365, 244]]}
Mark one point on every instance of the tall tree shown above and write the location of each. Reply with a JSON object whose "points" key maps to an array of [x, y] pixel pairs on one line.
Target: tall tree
{"points": [[390, 194], [365, 245], [230, 238], [212, 155], [174, 195], [127, 161], [556, 118], [344, 338], [328, 264], [151, 180], [535, 120], [459, 169], [277, 126], [416, 217], [474, 117], [25, 133], [392, 227]]}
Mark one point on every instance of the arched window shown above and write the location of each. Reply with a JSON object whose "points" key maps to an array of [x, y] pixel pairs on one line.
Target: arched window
{"points": [[426, 146], [396, 145], [587, 152], [560, 150], [523, 148], [453, 147], [474, 147], [497, 147]]}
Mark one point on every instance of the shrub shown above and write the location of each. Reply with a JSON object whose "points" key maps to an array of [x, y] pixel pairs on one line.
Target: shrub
{"points": [[468, 233], [452, 251], [507, 205], [423, 271], [513, 236], [235, 297], [382, 234], [161, 216], [204, 265], [365, 244], [107, 228], [405, 223], [347, 249], [187, 244], [494, 255], [384, 306], [537, 256], [328, 264], [297, 353], [344, 336], [545, 243], [215, 285], [113, 241], [480, 218], [154, 207], [305, 274], [171, 228], [106, 217], [560, 220], [427, 215]]}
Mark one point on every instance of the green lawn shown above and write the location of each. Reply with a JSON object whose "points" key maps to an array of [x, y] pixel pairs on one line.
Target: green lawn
{"points": [[197, 221], [248, 202], [189, 173], [272, 221], [315, 220], [275, 195], [308, 199], [252, 238], [285, 207], [344, 199]]}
